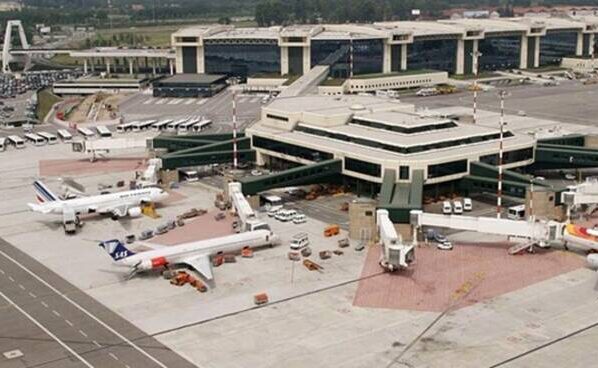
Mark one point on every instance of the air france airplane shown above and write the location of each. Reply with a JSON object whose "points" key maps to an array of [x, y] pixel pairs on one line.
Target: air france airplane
{"points": [[116, 205]]}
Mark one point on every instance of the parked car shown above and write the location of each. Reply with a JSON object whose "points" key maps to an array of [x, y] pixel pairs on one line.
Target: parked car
{"points": [[146, 234], [299, 241], [447, 208], [467, 204], [457, 207]]}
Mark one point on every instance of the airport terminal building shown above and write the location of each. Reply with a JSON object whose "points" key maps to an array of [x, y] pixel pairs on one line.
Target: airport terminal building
{"points": [[385, 47]]}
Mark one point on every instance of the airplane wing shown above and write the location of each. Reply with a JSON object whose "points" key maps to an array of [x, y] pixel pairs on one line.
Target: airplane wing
{"points": [[200, 264], [118, 211]]}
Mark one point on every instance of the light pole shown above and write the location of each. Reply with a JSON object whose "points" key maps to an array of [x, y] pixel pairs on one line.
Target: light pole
{"points": [[476, 54], [502, 95], [235, 159]]}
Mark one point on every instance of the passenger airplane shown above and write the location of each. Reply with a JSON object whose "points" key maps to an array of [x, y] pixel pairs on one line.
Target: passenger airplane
{"points": [[194, 254], [116, 205]]}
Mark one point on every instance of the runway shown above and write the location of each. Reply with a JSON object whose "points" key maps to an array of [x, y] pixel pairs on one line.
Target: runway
{"points": [[47, 322]]}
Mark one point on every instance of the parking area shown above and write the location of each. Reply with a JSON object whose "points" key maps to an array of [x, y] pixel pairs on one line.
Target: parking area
{"points": [[217, 108], [314, 318]]}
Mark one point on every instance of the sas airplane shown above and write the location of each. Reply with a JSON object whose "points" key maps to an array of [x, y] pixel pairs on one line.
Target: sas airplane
{"points": [[193, 254]]}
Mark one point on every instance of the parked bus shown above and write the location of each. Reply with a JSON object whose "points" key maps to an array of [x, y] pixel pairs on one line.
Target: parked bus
{"points": [[86, 132], [103, 131], [16, 141], [172, 127], [202, 125], [65, 135], [2, 144], [143, 125], [35, 139], [49, 137], [161, 125], [188, 125], [125, 127]]}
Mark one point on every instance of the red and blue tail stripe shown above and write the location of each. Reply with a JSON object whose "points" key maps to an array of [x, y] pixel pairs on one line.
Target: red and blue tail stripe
{"points": [[42, 193]]}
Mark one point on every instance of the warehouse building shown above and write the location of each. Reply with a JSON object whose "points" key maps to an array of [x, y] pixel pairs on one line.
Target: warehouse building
{"points": [[385, 47]]}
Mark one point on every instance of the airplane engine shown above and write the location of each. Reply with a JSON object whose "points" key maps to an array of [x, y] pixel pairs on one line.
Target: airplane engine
{"points": [[592, 261], [134, 211], [149, 264]]}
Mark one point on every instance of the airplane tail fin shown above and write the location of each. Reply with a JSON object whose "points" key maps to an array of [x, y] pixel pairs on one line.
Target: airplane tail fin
{"points": [[43, 193], [116, 249]]}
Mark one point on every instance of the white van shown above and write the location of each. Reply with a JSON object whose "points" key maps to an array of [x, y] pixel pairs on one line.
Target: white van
{"points": [[516, 212], [467, 204], [299, 241], [447, 209], [457, 207], [274, 210], [299, 218], [286, 215]]}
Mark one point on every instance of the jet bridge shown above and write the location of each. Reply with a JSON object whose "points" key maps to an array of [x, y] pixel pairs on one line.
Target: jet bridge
{"points": [[396, 255], [248, 217]]}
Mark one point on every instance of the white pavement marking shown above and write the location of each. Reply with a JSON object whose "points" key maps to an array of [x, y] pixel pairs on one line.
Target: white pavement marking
{"points": [[55, 313], [161, 101], [44, 304], [1, 271], [68, 322], [83, 333], [202, 101], [11, 279], [21, 287], [113, 356], [46, 331], [149, 101], [99, 321], [189, 101], [32, 295], [97, 344], [243, 99]]}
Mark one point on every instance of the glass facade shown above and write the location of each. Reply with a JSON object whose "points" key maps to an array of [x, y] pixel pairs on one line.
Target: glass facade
{"points": [[396, 148], [403, 172], [509, 157], [447, 168], [556, 45], [432, 54], [367, 56], [404, 130], [296, 60], [242, 59], [190, 59], [290, 149], [499, 53], [362, 167]]}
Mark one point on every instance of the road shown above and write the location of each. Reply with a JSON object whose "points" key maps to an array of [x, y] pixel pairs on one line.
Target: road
{"points": [[53, 324]]}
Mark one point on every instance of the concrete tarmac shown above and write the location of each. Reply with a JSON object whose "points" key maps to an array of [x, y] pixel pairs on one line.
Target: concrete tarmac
{"points": [[54, 324]]}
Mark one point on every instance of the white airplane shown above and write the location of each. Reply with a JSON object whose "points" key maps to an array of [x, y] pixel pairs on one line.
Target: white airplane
{"points": [[116, 205], [194, 254]]}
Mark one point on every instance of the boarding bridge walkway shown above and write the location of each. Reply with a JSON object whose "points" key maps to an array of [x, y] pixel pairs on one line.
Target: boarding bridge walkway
{"points": [[307, 174], [307, 83], [399, 198], [556, 156]]}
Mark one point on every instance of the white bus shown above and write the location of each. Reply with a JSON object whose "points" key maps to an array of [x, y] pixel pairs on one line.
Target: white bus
{"points": [[202, 125], [143, 125], [172, 127], [161, 125], [2, 144], [86, 132], [103, 131], [16, 141], [65, 135], [188, 125], [125, 127], [49, 137], [35, 139]]}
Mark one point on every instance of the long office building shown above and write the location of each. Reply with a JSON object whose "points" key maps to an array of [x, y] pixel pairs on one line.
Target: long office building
{"points": [[385, 47]]}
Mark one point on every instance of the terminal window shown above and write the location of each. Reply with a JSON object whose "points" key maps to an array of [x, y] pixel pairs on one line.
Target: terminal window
{"points": [[447, 168], [362, 167]]}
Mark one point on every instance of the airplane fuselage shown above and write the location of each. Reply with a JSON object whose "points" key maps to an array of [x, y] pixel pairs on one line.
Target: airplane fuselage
{"points": [[178, 253]]}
